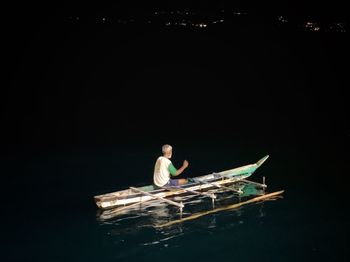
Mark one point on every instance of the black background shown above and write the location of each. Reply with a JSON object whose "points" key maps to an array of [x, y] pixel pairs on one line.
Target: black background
{"points": [[75, 85]]}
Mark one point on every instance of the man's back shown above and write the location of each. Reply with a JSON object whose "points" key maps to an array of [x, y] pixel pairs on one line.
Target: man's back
{"points": [[161, 174]]}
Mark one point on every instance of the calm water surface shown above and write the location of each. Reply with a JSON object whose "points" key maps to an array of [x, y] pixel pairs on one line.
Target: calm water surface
{"points": [[57, 220]]}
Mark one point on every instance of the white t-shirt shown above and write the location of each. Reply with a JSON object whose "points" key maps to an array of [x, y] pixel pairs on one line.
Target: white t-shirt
{"points": [[161, 174]]}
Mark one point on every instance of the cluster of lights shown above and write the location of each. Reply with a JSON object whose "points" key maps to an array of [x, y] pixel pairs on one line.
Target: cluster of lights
{"points": [[74, 18], [338, 27], [173, 13], [125, 21], [218, 21], [282, 19], [240, 13], [312, 26], [201, 25], [184, 22]]}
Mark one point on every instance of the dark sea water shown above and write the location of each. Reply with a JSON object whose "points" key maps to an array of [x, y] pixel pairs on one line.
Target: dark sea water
{"points": [[51, 215], [90, 107]]}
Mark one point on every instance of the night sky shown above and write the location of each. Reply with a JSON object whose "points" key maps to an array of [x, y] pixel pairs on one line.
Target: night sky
{"points": [[74, 84]]}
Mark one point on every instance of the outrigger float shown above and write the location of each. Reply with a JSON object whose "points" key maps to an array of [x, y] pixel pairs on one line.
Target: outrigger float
{"points": [[121, 200]]}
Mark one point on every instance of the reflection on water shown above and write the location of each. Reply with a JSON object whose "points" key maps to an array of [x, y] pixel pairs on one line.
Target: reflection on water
{"points": [[136, 225]]}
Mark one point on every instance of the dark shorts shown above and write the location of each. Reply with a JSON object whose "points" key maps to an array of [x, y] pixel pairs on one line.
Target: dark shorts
{"points": [[173, 182]]}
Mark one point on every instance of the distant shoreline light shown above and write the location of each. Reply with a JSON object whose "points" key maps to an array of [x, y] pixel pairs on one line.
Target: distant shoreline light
{"points": [[187, 18]]}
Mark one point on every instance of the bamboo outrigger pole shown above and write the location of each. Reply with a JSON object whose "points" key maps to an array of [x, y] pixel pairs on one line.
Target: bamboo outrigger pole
{"points": [[224, 187], [180, 205], [233, 206], [211, 195], [263, 185]]}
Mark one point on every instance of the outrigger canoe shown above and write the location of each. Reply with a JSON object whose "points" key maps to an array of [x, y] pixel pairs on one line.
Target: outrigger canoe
{"points": [[220, 180]]}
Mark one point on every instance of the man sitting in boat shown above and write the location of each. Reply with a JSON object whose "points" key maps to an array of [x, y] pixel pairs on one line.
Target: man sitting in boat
{"points": [[164, 168]]}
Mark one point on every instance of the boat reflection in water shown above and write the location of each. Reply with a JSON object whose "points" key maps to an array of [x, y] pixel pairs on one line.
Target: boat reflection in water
{"points": [[140, 225]]}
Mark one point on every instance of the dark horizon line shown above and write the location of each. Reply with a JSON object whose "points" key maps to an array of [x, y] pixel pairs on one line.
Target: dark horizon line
{"points": [[292, 7]]}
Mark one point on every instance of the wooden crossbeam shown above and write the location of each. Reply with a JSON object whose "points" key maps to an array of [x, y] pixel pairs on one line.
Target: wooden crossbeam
{"points": [[211, 195], [180, 205]]}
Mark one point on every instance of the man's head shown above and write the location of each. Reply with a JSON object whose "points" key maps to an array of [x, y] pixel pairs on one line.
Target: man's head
{"points": [[167, 150]]}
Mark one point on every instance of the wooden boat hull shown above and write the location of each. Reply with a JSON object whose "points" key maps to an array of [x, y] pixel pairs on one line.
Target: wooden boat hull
{"points": [[129, 196], [248, 190]]}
